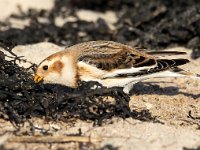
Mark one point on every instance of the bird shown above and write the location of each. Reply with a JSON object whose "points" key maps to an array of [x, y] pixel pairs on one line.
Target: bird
{"points": [[109, 63]]}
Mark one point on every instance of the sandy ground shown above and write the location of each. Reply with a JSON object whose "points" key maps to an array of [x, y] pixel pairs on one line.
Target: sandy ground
{"points": [[168, 100]]}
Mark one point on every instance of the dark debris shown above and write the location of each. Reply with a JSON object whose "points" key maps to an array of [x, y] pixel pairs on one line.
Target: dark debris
{"points": [[152, 24], [191, 116], [186, 148], [21, 99]]}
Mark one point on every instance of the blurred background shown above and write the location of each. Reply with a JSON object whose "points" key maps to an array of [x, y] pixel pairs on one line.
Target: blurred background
{"points": [[160, 115], [154, 24]]}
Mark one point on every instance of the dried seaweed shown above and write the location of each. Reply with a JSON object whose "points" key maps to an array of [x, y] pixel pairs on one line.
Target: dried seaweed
{"points": [[150, 24], [21, 99]]}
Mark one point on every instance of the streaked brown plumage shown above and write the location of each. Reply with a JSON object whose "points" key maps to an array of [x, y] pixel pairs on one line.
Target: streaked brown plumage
{"points": [[109, 63]]}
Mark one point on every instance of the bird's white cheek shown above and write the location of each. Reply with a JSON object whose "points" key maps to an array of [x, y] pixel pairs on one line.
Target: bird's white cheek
{"points": [[53, 78]]}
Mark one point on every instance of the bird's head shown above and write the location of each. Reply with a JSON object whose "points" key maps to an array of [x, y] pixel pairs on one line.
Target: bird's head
{"points": [[50, 70]]}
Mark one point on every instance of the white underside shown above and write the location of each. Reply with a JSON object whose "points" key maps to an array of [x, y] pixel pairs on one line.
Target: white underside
{"points": [[127, 83]]}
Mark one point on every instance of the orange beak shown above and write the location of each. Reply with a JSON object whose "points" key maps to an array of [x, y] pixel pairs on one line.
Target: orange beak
{"points": [[37, 78]]}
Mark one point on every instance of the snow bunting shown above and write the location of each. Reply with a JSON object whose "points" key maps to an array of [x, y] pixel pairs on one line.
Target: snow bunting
{"points": [[109, 63]]}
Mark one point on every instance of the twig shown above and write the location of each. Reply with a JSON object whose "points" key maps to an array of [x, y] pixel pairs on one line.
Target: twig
{"points": [[191, 116], [52, 139]]}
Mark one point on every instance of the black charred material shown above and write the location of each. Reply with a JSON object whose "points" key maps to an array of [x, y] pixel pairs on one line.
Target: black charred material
{"points": [[21, 99]]}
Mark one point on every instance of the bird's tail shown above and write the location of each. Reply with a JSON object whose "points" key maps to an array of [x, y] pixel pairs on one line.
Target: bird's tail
{"points": [[185, 73]]}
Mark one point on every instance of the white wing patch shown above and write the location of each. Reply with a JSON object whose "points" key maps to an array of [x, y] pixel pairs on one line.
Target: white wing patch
{"points": [[125, 71]]}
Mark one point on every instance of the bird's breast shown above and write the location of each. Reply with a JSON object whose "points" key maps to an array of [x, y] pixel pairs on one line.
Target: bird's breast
{"points": [[88, 72]]}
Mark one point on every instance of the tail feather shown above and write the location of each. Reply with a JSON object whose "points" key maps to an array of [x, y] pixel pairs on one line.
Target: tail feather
{"points": [[184, 72], [162, 65], [169, 63], [164, 53]]}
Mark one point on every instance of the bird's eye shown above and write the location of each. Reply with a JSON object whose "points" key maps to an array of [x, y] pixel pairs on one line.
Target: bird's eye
{"points": [[45, 67]]}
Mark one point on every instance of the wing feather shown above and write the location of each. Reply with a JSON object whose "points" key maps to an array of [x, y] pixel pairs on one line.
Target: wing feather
{"points": [[164, 53], [162, 65], [119, 58], [107, 55]]}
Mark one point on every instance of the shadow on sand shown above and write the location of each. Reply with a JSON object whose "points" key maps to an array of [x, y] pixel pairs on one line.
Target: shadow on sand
{"points": [[148, 88]]}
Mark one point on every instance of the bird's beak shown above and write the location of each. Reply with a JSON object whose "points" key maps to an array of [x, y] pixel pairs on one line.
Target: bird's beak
{"points": [[37, 78]]}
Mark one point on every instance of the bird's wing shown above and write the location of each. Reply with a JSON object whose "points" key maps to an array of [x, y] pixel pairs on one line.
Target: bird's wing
{"points": [[107, 55], [124, 61], [162, 65]]}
